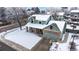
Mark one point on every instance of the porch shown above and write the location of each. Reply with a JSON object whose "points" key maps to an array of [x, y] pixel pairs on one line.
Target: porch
{"points": [[39, 32]]}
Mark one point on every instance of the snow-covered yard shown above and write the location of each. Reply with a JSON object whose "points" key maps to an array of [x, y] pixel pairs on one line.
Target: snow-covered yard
{"points": [[26, 39], [65, 46], [61, 47]]}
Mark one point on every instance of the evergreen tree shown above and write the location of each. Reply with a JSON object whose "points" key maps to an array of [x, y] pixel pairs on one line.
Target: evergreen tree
{"points": [[37, 10]]}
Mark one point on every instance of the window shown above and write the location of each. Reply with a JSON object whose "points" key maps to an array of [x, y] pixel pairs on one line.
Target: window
{"points": [[39, 22], [51, 27], [32, 21], [36, 21], [43, 22]]}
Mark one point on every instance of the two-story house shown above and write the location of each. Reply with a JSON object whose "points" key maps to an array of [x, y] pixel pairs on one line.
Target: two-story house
{"points": [[45, 26]]}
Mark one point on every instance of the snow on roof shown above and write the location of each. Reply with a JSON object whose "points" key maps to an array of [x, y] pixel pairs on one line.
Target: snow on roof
{"points": [[41, 17], [60, 25], [60, 13], [38, 26], [69, 27], [74, 11], [21, 37]]}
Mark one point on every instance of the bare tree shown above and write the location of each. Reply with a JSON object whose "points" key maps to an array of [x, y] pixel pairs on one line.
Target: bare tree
{"points": [[17, 17], [2, 14], [16, 14], [37, 10]]}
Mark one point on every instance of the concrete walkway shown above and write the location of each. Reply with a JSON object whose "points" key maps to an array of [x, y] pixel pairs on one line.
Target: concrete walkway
{"points": [[65, 38]]}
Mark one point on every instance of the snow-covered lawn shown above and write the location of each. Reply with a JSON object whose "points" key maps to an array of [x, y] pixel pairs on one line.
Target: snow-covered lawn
{"points": [[61, 47], [26, 39], [65, 46]]}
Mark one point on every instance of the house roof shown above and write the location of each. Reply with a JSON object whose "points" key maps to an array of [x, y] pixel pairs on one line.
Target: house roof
{"points": [[38, 26], [41, 17], [60, 13], [60, 25], [74, 11], [69, 27]]}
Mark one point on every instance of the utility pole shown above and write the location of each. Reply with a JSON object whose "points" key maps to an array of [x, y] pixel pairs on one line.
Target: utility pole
{"points": [[72, 44], [74, 26]]}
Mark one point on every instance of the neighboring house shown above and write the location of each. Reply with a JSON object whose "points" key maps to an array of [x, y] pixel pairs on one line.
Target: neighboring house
{"points": [[74, 15], [60, 16], [71, 28], [73, 25], [44, 26]]}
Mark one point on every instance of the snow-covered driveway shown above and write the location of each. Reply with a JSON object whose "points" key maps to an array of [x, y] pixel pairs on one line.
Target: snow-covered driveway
{"points": [[26, 39]]}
